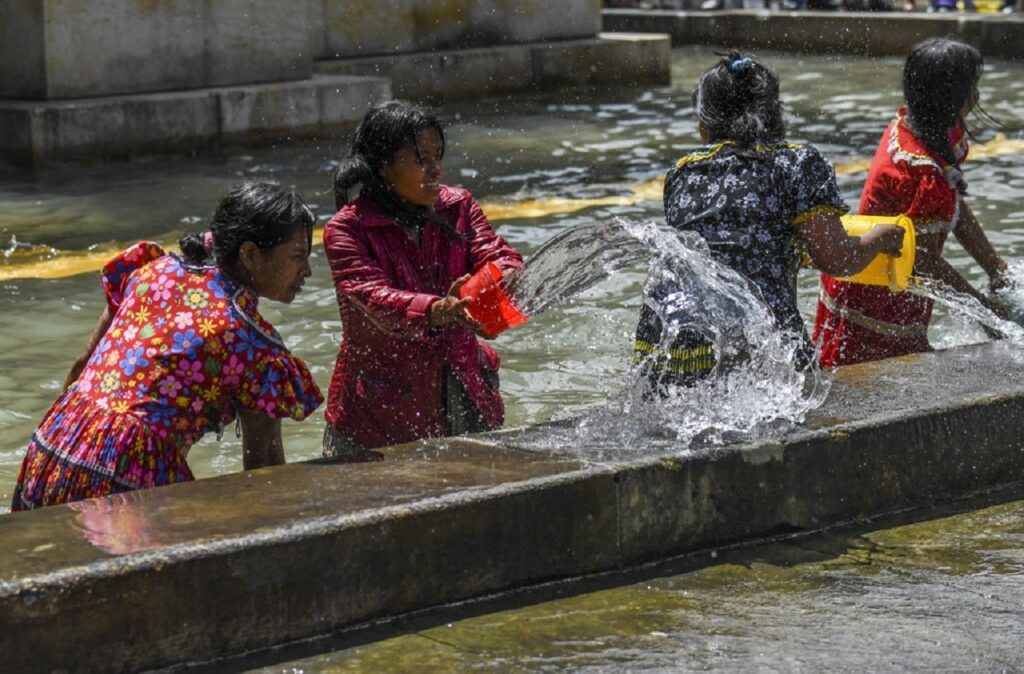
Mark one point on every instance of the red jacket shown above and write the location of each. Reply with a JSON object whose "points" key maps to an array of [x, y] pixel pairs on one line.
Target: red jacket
{"points": [[388, 380]]}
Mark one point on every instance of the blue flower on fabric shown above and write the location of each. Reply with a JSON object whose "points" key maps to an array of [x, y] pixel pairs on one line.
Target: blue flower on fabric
{"points": [[273, 376], [214, 285], [97, 354], [133, 358], [186, 342], [109, 451], [249, 341]]}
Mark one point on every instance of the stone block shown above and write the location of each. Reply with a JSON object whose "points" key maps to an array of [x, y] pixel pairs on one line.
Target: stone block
{"points": [[147, 124], [66, 49], [366, 27], [613, 59]]}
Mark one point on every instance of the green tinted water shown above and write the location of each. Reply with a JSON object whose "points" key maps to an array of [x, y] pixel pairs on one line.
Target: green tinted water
{"points": [[556, 145]]}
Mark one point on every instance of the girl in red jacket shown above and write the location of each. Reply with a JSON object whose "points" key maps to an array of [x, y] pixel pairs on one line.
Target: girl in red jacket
{"points": [[916, 171], [410, 364]]}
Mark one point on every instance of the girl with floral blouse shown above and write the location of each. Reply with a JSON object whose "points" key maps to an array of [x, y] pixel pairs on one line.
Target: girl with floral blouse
{"points": [[180, 350]]}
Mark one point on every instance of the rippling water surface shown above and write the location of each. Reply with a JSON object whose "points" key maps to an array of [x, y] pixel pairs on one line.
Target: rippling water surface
{"points": [[947, 596]]}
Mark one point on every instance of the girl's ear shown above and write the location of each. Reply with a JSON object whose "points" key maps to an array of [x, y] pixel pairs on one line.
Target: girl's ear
{"points": [[250, 255], [705, 137]]}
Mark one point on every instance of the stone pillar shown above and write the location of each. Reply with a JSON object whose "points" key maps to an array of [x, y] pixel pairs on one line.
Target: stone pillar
{"points": [[60, 49]]}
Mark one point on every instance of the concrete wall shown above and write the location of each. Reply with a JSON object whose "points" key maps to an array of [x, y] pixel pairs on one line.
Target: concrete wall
{"points": [[54, 49], [229, 565], [867, 34], [368, 27], [609, 59]]}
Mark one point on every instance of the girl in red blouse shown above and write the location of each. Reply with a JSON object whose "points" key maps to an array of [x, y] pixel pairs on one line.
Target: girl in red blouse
{"points": [[916, 172]]}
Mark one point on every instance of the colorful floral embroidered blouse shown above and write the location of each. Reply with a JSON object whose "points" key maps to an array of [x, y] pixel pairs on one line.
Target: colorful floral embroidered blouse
{"points": [[186, 349]]}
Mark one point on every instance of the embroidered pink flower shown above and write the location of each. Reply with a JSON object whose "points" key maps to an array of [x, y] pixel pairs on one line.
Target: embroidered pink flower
{"points": [[162, 288], [183, 319], [232, 370], [191, 371], [169, 387]]}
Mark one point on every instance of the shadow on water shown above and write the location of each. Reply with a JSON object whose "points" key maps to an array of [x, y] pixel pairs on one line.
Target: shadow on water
{"points": [[774, 561]]}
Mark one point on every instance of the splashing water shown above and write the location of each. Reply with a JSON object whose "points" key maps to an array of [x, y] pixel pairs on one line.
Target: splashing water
{"points": [[759, 390], [968, 307]]}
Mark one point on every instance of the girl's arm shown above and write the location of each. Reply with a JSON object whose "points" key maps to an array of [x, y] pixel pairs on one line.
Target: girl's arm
{"points": [[931, 264], [836, 253], [261, 440], [97, 334], [360, 278], [972, 237]]}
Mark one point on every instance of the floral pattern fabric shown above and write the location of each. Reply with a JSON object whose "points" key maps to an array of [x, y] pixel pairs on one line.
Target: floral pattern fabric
{"points": [[746, 203], [185, 350]]}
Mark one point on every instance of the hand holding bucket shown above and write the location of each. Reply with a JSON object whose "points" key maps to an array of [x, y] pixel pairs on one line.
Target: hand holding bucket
{"points": [[885, 270], [491, 307]]}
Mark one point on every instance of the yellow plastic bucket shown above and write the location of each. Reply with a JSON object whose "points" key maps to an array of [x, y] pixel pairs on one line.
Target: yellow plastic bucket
{"points": [[884, 270]]}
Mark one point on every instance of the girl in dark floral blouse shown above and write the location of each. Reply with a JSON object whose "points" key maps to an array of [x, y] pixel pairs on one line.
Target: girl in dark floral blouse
{"points": [[759, 202]]}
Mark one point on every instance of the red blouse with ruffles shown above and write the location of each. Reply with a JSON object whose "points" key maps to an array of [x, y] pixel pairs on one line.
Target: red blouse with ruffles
{"points": [[857, 323]]}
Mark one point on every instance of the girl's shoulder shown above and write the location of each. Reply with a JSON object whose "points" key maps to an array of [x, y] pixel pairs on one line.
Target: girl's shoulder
{"points": [[250, 323], [906, 147], [728, 149]]}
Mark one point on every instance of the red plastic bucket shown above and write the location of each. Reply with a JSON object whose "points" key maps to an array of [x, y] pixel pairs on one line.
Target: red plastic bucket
{"points": [[491, 307]]}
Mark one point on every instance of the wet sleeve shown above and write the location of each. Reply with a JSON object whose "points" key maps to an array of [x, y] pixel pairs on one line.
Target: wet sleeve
{"points": [[118, 271], [485, 245], [815, 190], [280, 386], [934, 201], [359, 278]]}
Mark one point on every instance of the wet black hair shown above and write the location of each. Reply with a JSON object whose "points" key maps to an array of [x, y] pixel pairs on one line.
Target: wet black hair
{"points": [[939, 79], [264, 213], [387, 128], [737, 99]]}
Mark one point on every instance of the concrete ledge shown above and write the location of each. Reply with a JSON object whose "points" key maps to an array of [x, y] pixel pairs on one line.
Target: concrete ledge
{"points": [[34, 133], [611, 58], [861, 33], [242, 562]]}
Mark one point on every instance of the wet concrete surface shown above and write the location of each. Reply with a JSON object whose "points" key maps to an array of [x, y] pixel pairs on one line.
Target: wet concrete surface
{"points": [[244, 562]]}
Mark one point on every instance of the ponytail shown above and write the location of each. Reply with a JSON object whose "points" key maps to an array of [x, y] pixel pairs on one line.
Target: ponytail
{"points": [[351, 171], [193, 249]]}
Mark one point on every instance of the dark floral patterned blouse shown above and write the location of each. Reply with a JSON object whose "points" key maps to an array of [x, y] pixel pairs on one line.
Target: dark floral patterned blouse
{"points": [[746, 203]]}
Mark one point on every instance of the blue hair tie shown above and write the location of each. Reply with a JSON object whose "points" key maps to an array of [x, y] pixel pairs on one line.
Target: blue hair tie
{"points": [[740, 64]]}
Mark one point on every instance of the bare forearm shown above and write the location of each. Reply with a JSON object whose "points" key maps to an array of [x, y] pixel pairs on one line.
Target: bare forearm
{"points": [[972, 237], [849, 257], [937, 268], [836, 253], [262, 444]]}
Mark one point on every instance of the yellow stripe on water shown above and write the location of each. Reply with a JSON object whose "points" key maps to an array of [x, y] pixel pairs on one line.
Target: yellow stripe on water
{"points": [[58, 263]]}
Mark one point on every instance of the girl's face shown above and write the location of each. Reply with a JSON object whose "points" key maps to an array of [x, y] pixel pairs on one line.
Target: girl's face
{"points": [[414, 173], [279, 273], [971, 102]]}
